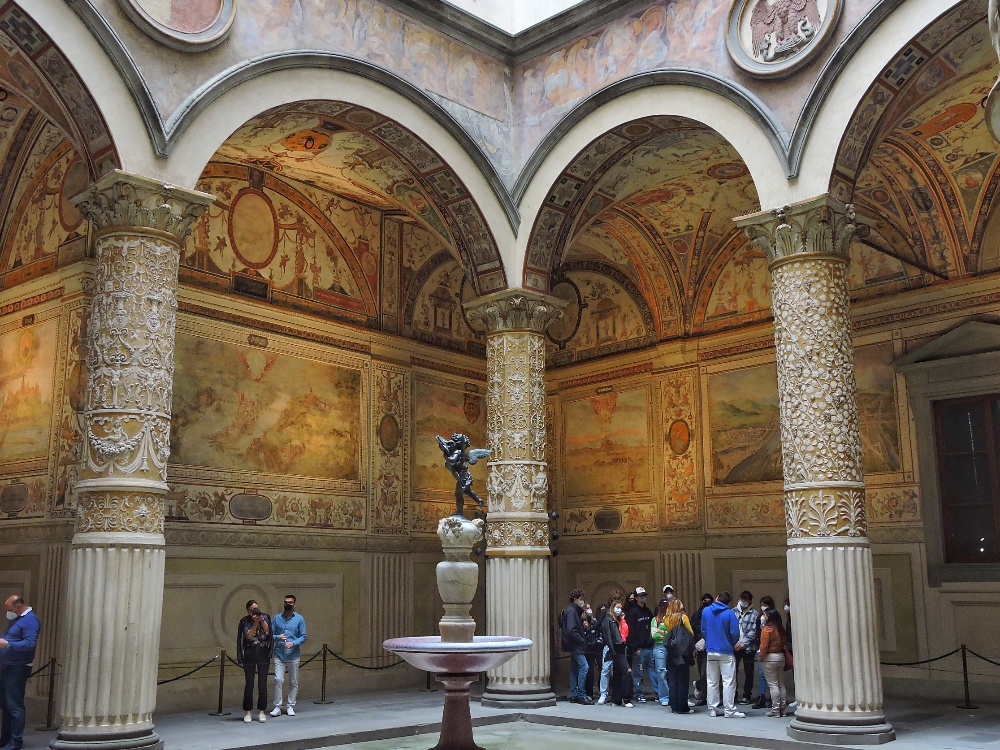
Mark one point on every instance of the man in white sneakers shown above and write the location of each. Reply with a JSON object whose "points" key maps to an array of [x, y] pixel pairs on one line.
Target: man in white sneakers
{"points": [[721, 631], [289, 635]]}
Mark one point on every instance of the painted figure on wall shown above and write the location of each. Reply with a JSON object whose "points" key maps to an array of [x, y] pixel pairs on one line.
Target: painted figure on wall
{"points": [[27, 362]]}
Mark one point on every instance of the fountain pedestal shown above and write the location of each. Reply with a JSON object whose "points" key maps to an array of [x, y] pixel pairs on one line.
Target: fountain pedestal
{"points": [[457, 657]]}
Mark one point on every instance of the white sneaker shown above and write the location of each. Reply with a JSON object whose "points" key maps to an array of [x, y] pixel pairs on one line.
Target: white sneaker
{"points": [[626, 704], [712, 712], [247, 719], [736, 715], [290, 711], [276, 711], [602, 700], [262, 717]]}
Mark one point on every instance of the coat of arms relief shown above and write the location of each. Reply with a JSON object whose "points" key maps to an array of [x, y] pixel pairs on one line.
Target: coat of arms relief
{"points": [[772, 38]]}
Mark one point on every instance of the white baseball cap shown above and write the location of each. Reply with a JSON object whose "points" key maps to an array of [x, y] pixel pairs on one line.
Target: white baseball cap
{"points": [[640, 591], [668, 587]]}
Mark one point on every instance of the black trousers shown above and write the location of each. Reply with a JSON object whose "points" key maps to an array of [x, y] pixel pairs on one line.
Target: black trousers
{"points": [[746, 658], [621, 688], [594, 665], [679, 680], [260, 670]]}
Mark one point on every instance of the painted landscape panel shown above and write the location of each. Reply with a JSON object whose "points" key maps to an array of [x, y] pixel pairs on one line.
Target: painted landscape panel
{"points": [[607, 445], [243, 408], [27, 366], [438, 410], [877, 408], [746, 433]]}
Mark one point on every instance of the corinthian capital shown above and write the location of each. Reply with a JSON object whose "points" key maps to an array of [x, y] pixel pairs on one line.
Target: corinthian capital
{"points": [[515, 310], [121, 200], [818, 226]]}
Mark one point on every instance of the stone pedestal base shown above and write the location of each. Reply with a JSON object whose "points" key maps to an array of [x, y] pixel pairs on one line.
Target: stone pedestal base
{"points": [[147, 740], [499, 699], [456, 721], [840, 734]]}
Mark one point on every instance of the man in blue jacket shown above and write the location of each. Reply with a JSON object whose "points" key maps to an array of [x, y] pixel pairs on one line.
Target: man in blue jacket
{"points": [[289, 635], [721, 631], [17, 652]]}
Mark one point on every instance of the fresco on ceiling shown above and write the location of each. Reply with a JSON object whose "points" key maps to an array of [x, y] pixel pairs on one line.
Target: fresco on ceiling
{"points": [[443, 410], [873, 273], [606, 318], [745, 428], [606, 445], [877, 408], [45, 224], [310, 148], [437, 307], [266, 239], [743, 287], [27, 377], [684, 34], [371, 31], [249, 409]]}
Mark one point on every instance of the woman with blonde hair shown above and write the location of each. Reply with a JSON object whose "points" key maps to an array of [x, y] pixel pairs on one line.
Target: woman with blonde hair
{"points": [[680, 655]]}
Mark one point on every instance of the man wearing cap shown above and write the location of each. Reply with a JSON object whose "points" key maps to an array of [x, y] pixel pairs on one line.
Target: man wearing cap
{"points": [[640, 643], [668, 592]]}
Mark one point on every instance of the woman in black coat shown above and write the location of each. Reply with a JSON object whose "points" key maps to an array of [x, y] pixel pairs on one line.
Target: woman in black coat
{"points": [[621, 688], [254, 646]]}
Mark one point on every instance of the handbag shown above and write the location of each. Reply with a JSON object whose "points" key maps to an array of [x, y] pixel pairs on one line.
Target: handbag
{"points": [[789, 661]]}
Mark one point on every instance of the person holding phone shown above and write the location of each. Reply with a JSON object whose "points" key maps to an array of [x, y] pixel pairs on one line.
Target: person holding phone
{"points": [[254, 644]]}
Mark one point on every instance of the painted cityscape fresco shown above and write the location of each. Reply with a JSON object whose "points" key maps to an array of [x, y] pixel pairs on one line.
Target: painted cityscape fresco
{"points": [[243, 408], [607, 444], [439, 410], [27, 364]]}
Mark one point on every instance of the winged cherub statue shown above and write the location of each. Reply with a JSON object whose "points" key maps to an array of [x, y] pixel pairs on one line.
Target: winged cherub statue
{"points": [[457, 456]]}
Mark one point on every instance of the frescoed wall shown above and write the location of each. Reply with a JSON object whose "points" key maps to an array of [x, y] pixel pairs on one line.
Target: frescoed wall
{"points": [[27, 371], [745, 429], [606, 443], [246, 409]]}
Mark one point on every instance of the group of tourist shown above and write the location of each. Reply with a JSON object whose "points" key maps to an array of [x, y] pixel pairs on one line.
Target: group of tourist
{"points": [[626, 642], [259, 640]]}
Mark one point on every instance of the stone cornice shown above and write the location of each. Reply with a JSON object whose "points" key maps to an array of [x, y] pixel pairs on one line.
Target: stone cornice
{"points": [[817, 226], [121, 200], [515, 310]]}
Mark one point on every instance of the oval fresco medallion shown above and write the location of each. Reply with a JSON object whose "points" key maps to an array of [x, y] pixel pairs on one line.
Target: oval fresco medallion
{"points": [[679, 437], [388, 433], [253, 228], [773, 38], [186, 25], [565, 328]]}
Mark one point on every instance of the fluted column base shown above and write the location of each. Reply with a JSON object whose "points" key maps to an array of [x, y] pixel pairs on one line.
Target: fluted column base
{"points": [[111, 645], [517, 603], [838, 680]]}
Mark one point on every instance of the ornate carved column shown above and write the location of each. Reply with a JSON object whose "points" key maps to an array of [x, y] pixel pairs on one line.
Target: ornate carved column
{"points": [[115, 580], [838, 682], [517, 531]]}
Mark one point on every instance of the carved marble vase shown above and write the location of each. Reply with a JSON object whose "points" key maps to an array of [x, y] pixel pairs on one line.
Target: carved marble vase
{"points": [[458, 577]]}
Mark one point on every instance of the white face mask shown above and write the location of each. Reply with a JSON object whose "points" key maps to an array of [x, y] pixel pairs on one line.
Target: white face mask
{"points": [[787, 608], [743, 604], [11, 615], [618, 610], [579, 603], [590, 613], [763, 609]]}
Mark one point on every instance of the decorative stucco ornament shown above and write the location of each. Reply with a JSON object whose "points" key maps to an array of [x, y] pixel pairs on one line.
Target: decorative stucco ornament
{"points": [[993, 100], [773, 38], [185, 25]]}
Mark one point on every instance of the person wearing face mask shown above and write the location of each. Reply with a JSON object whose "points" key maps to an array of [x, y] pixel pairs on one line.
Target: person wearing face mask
{"points": [[763, 693], [17, 652], [607, 661], [746, 648], [595, 647], [616, 632], [640, 644], [254, 647], [701, 656], [289, 630], [574, 641]]}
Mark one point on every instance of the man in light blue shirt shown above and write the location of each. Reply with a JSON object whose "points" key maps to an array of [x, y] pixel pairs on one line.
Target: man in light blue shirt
{"points": [[289, 634]]}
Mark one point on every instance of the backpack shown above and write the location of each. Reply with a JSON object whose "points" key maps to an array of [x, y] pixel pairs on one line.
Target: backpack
{"points": [[680, 645]]}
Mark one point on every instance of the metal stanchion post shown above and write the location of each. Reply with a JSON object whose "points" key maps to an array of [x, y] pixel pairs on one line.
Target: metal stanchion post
{"points": [[50, 708], [428, 688], [322, 692], [965, 679], [222, 684]]}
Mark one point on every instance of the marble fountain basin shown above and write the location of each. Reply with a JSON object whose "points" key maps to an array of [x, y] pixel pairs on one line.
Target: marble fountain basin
{"points": [[431, 654]]}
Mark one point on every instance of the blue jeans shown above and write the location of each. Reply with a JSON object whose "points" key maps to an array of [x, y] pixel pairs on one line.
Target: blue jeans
{"points": [[762, 690], [660, 660], [13, 679], [606, 668], [642, 662], [578, 675]]}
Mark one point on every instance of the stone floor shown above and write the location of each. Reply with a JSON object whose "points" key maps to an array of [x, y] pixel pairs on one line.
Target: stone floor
{"points": [[409, 721]]}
